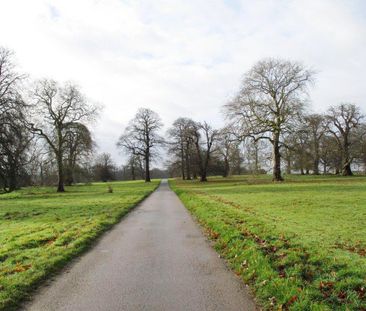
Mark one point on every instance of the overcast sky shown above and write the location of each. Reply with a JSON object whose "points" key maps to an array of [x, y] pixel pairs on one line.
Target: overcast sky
{"points": [[183, 58]]}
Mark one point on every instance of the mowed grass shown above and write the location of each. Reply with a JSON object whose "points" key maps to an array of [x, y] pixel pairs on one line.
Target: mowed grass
{"points": [[300, 245], [41, 230]]}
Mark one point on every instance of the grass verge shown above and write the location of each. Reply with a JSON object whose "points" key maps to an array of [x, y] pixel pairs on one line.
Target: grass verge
{"points": [[41, 230], [300, 245]]}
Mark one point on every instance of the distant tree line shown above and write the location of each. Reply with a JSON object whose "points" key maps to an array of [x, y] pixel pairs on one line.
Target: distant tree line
{"points": [[46, 138]]}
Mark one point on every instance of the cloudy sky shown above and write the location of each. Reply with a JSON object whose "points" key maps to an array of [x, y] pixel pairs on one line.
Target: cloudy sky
{"points": [[183, 57]]}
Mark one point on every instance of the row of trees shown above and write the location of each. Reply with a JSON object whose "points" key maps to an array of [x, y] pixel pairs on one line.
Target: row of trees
{"points": [[45, 134], [269, 121], [45, 131], [271, 106]]}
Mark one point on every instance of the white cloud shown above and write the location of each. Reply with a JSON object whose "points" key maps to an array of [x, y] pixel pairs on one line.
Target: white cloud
{"points": [[183, 58]]}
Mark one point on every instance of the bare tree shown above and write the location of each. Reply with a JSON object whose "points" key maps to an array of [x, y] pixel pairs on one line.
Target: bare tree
{"points": [[14, 142], [10, 99], [301, 146], [330, 155], [270, 99], [204, 137], [181, 144], [360, 151], [14, 139], [255, 155], [227, 148], [55, 107], [104, 167], [177, 135], [141, 137], [314, 125], [135, 167], [78, 145], [342, 121]]}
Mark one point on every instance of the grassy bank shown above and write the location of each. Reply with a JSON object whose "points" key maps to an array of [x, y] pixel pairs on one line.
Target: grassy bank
{"points": [[41, 230], [300, 244]]}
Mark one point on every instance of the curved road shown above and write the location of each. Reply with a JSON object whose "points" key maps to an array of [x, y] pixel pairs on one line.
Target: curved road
{"points": [[156, 258]]}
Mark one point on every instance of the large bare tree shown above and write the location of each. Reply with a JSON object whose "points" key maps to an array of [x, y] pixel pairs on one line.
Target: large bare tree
{"points": [[342, 121], [270, 99], [14, 139], [141, 137], [55, 108]]}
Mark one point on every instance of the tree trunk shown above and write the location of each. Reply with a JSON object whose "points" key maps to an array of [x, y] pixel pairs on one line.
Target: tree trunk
{"points": [[276, 158], [188, 166], [69, 178], [226, 167], [202, 171], [316, 159], [41, 174], [60, 187], [288, 166], [316, 155], [12, 181], [133, 174], [205, 166], [60, 164], [147, 168], [346, 165], [346, 170], [256, 160], [182, 161], [203, 176]]}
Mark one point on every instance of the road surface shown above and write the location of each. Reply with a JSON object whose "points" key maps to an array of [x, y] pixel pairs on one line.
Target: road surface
{"points": [[156, 258]]}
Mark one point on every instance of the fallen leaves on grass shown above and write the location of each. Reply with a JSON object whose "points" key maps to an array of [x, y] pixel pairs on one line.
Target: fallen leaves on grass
{"points": [[326, 288], [357, 248], [17, 269]]}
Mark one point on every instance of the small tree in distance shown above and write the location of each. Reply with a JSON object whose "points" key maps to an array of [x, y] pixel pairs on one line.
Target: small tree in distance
{"points": [[141, 137], [204, 137], [342, 121], [104, 168]]}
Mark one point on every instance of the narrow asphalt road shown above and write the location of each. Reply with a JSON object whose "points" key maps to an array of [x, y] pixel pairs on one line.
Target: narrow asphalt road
{"points": [[156, 258]]}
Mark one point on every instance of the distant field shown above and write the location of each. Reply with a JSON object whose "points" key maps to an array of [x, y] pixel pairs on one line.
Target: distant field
{"points": [[41, 230], [301, 244]]}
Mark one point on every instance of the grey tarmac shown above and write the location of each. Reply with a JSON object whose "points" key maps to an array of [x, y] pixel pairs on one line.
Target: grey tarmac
{"points": [[156, 258]]}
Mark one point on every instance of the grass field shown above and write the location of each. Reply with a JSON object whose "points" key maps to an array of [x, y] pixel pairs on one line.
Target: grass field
{"points": [[41, 230], [300, 245]]}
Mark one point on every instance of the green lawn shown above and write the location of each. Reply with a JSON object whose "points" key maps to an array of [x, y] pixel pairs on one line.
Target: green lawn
{"points": [[41, 230], [300, 245]]}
